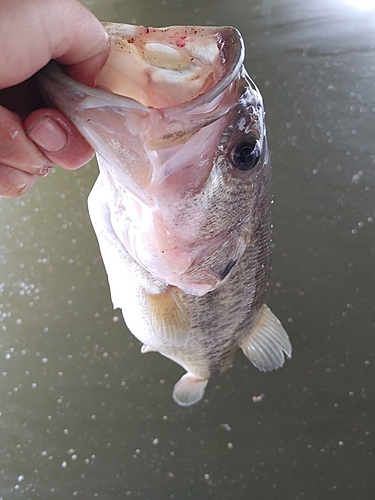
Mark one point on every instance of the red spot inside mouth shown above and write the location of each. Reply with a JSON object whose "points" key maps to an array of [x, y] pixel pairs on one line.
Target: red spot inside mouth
{"points": [[180, 40]]}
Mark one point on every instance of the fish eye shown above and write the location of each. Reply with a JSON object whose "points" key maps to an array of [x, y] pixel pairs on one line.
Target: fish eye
{"points": [[246, 154]]}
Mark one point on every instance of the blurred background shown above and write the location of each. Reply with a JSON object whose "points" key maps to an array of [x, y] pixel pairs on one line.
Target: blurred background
{"points": [[84, 415]]}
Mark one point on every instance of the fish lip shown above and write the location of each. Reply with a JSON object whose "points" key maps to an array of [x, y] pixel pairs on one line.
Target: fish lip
{"points": [[236, 49], [54, 72], [221, 85]]}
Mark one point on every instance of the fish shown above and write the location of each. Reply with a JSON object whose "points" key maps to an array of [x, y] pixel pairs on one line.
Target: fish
{"points": [[182, 204]]}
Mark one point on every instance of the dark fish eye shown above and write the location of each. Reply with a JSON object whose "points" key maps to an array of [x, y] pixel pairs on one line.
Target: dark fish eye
{"points": [[246, 154]]}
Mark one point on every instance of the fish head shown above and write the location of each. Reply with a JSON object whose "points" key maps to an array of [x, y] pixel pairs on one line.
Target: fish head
{"points": [[179, 131]]}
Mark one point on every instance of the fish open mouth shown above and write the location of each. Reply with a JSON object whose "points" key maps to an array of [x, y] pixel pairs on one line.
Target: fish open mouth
{"points": [[174, 81], [166, 67]]}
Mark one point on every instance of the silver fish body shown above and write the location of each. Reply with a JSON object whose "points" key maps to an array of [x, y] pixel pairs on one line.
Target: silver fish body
{"points": [[181, 207]]}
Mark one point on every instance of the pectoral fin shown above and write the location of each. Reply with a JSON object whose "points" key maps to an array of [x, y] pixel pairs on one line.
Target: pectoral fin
{"points": [[189, 390], [267, 343], [169, 317]]}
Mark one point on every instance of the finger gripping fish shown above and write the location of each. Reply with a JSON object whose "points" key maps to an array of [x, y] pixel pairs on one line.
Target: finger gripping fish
{"points": [[181, 207]]}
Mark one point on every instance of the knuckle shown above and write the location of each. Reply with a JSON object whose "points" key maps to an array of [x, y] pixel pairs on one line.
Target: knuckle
{"points": [[14, 182]]}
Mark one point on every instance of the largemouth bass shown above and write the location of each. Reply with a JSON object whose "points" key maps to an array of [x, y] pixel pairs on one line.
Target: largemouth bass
{"points": [[181, 207]]}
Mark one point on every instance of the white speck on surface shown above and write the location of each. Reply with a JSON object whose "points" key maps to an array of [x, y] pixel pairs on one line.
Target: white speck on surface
{"points": [[227, 427]]}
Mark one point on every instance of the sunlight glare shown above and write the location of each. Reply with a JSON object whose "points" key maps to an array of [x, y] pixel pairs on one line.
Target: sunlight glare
{"points": [[366, 5]]}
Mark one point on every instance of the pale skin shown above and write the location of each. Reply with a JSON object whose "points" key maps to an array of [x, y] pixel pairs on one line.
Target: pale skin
{"points": [[33, 136]]}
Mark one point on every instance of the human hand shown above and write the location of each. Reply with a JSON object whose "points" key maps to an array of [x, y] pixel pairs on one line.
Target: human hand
{"points": [[34, 137]]}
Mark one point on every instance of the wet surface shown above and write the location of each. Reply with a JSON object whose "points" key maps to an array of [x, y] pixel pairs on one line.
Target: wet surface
{"points": [[85, 415]]}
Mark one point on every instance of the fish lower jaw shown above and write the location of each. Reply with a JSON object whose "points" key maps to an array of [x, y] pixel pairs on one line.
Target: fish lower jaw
{"points": [[178, 270], [184, 268]]}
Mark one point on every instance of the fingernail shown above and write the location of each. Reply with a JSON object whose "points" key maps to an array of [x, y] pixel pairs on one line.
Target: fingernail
{"points": [[48, 134]]}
